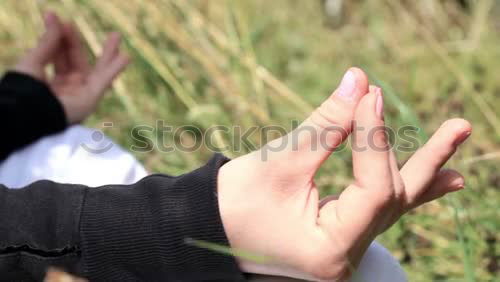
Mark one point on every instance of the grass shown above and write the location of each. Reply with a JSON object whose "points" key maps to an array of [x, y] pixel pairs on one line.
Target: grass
{"points": [[269, 62]]}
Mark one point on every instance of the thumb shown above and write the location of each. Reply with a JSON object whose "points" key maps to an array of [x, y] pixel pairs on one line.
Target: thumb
{"points": [[325, 129]]}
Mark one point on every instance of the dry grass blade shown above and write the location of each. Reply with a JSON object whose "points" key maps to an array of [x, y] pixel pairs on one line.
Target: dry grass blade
{"points": [[260, 71], [454, 69]]}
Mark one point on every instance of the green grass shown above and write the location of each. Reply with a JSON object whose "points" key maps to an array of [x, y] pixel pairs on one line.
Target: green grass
{"points": [[266, 62]]}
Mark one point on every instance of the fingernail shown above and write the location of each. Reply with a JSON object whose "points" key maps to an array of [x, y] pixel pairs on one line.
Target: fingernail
{"points": [[458, 184], [462, 138], [379, 104], [347, 86]]}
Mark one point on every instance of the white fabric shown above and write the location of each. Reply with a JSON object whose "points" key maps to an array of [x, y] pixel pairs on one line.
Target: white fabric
{"points": [[81, 155], [78, 155], [378, 265]]}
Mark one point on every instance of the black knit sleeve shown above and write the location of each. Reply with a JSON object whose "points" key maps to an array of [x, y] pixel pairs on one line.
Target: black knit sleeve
{"points": [[139, 232], [28, 110]]}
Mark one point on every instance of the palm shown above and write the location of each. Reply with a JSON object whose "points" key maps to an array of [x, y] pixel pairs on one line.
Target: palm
{"points": [[72, 83], [72, 88]]}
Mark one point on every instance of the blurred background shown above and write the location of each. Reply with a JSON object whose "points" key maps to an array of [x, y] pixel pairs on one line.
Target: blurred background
{"points": [[255, 63]]}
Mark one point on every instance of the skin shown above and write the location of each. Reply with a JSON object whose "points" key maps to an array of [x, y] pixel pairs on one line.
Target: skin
{"points": [[78, 85], [272, 208]]}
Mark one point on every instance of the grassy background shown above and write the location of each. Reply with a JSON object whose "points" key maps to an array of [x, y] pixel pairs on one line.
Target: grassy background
{"points": [[264, 62]]}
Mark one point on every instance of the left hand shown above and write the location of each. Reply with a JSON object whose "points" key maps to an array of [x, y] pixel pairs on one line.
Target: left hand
{"points": [[76, 84]]}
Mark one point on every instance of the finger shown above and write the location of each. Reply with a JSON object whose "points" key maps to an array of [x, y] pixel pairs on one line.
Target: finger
{"points": [[50, 41], [326, 200], [102, 78], [326, 128], [76, 50], [361, 205], [444, 182], [370, 147], [399, 187], [338, 110], [420, 170], [109, 51], [372, 88], [33, 63], [393, 162]]}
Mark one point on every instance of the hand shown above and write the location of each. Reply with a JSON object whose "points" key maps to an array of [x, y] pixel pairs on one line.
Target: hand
{"points": [[76, 84], [271, 206]]}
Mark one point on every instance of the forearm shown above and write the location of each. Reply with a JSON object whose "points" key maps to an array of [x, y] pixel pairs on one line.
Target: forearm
{"points": [[39, 228], [119, 232]]}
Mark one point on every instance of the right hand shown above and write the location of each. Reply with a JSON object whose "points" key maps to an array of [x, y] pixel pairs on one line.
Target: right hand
{"points": [[271, 207], [76, 84]]}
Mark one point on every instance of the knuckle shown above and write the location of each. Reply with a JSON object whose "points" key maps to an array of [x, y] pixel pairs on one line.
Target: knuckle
{"points": [[400, 195], [330, 114], [385, 197]]}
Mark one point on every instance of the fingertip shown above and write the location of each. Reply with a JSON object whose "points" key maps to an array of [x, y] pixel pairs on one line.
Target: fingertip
{"points": [[367, 102], [446, 181], [112, 44], [117, 65], [452, 177], [461, 129], [49, 16], [352, 87], [361, 79], [459, 124], [457, 184], [51, 19], [124, 58]]}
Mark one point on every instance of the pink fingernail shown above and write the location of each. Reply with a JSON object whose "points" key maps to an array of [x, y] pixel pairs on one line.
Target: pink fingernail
{"points": [[458, 184], [379, 104], [462, 138], [347, 86]]}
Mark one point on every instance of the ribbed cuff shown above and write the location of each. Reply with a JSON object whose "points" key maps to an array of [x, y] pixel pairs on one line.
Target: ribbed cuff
{"points": [[144, 232], [44, 113]]}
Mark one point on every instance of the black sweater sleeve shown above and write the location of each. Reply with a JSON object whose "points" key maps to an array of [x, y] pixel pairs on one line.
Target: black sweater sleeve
{"points": [[138, 232], [28, 110]]}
